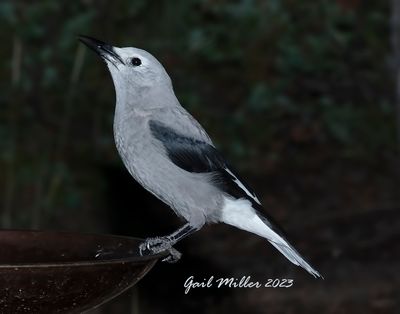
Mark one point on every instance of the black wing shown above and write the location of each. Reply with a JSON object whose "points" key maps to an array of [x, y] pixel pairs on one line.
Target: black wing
{"points": [[197, 156]]}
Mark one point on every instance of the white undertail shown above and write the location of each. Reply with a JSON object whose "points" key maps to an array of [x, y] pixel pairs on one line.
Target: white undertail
{"points": [[240, 213]]}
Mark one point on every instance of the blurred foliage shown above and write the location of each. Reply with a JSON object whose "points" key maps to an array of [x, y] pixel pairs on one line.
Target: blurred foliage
{"points": [[268, 79]]}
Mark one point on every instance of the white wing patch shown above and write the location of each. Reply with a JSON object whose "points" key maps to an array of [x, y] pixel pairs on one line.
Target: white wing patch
{"points": [[240, 184]]}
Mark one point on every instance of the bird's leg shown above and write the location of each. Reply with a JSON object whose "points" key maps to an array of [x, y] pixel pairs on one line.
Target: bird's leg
{"points": [[181, 233], [165, 243]]}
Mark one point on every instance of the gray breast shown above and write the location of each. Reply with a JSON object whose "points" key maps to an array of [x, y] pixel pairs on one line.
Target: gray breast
{"points": [[190, 195]]}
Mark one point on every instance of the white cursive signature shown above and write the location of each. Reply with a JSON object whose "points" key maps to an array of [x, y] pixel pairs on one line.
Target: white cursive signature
{"points": [[232, 282]]}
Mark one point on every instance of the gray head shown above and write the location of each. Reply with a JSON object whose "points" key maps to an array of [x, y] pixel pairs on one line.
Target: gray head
{"points": [[131, 68]]}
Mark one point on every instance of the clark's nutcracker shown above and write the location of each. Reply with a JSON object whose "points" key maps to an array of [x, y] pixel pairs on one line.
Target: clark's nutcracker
{"points": [[169, 153]]}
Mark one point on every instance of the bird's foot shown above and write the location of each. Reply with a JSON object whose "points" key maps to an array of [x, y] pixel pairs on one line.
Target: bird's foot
{"points": [[154, 245], [173, 257], [157, 245]]}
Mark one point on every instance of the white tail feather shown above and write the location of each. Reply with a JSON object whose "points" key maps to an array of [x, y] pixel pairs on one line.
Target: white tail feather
{"points": [[292, 255], [239, 213]]}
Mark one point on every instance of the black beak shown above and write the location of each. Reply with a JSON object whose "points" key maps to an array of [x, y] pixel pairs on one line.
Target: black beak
{"points": [[101, 48]]}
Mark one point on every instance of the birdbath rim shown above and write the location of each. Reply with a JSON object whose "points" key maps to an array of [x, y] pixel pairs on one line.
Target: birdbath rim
{"points": [[133, 257]]}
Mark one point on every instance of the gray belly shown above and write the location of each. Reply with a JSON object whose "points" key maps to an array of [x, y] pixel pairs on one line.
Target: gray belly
{"points": [[190, 195]]}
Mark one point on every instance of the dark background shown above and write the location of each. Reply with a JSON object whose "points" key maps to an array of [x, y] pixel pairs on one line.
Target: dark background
{"points": [[300, 95]]}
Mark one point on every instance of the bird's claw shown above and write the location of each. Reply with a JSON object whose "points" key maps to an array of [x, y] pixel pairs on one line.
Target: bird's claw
{"points": [[173, 257], [153, 246]]}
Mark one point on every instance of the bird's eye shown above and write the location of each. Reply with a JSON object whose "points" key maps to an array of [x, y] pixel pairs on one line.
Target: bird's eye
{"points": [[136, 62]]}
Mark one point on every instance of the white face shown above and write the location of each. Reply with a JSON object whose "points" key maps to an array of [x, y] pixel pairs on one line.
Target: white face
{"points": [[135, 67]]}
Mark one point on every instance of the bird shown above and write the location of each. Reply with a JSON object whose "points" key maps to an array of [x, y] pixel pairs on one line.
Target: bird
{"points": [[170, 154]]}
